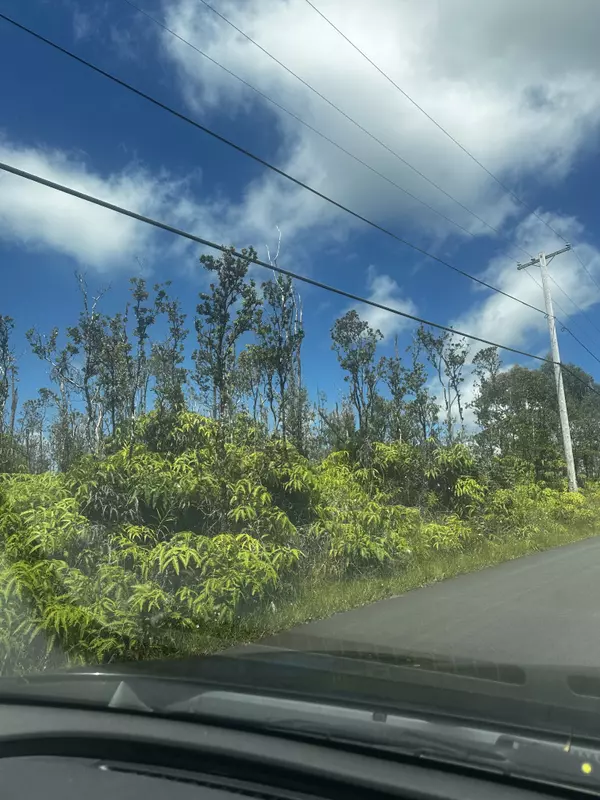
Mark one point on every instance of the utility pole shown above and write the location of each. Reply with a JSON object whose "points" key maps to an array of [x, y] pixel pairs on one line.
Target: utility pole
{"points": [[543, 260]]}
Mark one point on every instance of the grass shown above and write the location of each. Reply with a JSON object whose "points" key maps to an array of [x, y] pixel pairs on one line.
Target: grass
{"points": [[314, 600]]}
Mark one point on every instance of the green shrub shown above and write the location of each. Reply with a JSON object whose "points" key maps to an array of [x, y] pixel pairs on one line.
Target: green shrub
{"points": [[123, 556], [512, 512], [401, 467], [360, 527], [453, 481], [568, 508], [509, 471], [451, 534], [177, 535]]}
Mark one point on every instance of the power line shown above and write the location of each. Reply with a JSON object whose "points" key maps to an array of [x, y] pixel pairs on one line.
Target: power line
{"points": [[575, 305], [436, 123], [579, 342], [319, 133], [272, 267], [585, 269], [562, 324], [225, 141], [222, 248], [297, 118], [591, 277], [262, 161], [557, 304], [122, 83], [357, 124], [540, 287], [303, 122], [566, 313]]}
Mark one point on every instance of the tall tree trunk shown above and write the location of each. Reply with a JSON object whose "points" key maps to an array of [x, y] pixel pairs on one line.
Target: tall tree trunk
{"points": [[14, 402]]}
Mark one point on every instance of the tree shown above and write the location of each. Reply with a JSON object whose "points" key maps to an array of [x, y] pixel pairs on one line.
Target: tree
{"points": [[250, 382], [488, 411], [225, 313], [115, 372], [32, 432], [168, 356], [8, 377], [518, 412], [404, 385], [280, 338], [447, 356], [68, 439], [421, 408], [6, 362], [583, 403], [355, 344], [144, 317], [338, 426], [455, 356], [65, 446], [300, 414], [125, 360], [86, 341], [8, 395], [77, 367]]}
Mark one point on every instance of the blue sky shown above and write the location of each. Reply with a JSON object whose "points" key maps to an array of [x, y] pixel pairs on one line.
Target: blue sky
{"points": [[518, 86]]}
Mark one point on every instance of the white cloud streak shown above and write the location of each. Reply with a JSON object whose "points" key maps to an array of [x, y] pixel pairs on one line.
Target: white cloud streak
{"points": [[521, 109], [43, 219]]}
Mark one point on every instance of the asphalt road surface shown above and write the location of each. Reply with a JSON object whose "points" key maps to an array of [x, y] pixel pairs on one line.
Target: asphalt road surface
{"points": [[540, 609]]}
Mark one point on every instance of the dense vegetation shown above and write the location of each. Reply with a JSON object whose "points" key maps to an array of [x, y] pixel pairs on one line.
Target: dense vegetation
{"points": [[130, 533]]}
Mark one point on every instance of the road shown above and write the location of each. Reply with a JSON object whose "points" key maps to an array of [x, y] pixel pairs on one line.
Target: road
{"points": [[540, 609]]}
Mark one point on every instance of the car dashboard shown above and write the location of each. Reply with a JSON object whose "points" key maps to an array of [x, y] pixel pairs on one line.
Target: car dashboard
{"points": [[68, 753]]}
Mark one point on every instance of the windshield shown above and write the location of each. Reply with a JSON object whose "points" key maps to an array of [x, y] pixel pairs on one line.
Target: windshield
{"points": [[298, 352]]}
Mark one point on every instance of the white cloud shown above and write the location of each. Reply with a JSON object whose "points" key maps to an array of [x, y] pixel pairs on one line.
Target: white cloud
{"points": [[522, 108], [384, 289], [41, 218], [499, 318], [82, 24]]}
